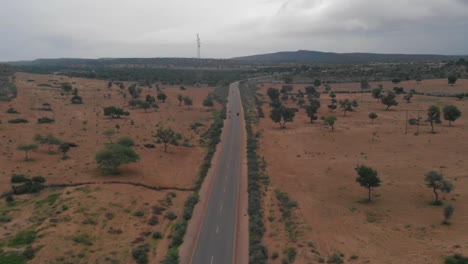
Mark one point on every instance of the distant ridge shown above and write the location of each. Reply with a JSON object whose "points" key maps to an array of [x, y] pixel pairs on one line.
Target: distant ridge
{"points": [[308, 56]]}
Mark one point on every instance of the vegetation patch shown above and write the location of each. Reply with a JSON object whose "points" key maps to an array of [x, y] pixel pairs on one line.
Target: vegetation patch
{"points": [[286, 205], [23, 238]]}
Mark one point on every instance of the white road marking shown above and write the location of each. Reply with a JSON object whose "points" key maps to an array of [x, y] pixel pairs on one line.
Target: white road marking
{"points": [[211, 259], [217, 229], [221, 208], [224, 189]]}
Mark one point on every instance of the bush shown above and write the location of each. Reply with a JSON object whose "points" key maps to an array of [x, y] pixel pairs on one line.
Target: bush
{"points": [[45, 120], [149, 146], [157, 235], [140, 254], [139, 213], [11, 110], [335, 258], [17, 121], [19, 178], [170, 215], [456, 259], [23, 238]]}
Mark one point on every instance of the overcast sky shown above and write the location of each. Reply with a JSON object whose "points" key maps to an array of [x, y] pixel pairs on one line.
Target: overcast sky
{"points": [[31, 29]]}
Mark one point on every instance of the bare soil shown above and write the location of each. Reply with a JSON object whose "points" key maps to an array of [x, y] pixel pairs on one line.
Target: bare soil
{"points": [[316, 168], [84, 125]]}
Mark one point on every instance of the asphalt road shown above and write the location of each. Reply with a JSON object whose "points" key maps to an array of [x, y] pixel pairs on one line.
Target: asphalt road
{"points": [[216, 240]]}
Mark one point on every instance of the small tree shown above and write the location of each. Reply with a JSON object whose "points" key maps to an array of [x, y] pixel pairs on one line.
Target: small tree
{"points": [[282, 115], [208, 102], [165, 135], [162, 97], [408, 97], [64, 148], [451, 113], [373, 116], [312, 109], [333, 102], [367, 178], [188, 101], [317, 83], [433, 116], [115, 112], [114, 155], [389, 99], [109, 133], [365, 84], [452, 79], [180, 98], [348, 105], [26, 149], [436, 181], [49, 139], [377, 92], [330, 121], [145, 105], [273, 93], [66, 87], [448, 212], [126, 141]]}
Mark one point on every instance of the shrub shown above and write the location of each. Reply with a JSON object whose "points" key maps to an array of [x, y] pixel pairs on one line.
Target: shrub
{"points": [[23, 238], [45, 120], [11, 110], [157, 235], [456, 259], [170, 215], [335, 258], [17, 121], [19, 178], [140, 254]]}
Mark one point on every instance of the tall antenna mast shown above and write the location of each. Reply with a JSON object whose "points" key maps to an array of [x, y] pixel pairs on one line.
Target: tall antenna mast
{"points": [[198, 46]]}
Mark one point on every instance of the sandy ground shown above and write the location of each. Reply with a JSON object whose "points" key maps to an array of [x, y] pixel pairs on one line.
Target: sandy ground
{"points": [[316, 168], [84, 125]]}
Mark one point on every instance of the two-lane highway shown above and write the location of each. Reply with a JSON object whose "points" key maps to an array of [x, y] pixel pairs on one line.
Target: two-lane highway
{"points": [[217, 238]]}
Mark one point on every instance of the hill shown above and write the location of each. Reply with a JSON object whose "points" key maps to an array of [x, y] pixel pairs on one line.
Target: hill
{"points": [[307, 56]]}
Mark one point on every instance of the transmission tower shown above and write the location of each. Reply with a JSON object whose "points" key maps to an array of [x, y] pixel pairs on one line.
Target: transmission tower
{"points": [[198, 46]]}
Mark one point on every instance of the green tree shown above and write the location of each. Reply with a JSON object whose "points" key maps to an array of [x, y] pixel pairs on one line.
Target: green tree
{"points": [[64, 148], [408, 97], [373, 116], [433, 116], [317, 83], [283, 115], [109, 133], [365, 85], [333, 102], [452, 79], [367, 178], [330, 121], [448, 212], [377, 92], [273, 93], [66, 87], [348, 105], [389, 99], [436, 181], [49, 139], [162, 97], [115, 112], [145, 105], [126, 141], [312, 109], [208, 102], [188, 101], [26, 149], [180, 98], [114, 155], [165, 135], [451, 113]]}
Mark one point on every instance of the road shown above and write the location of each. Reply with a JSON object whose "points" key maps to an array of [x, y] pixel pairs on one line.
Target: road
{"points": [[216, 240]]}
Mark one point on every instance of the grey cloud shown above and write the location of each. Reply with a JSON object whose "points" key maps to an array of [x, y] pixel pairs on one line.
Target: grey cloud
{"points": [[118, 28]]}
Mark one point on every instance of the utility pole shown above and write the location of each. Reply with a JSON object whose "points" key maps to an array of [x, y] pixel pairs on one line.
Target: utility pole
{"points": [[198, 46]]}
